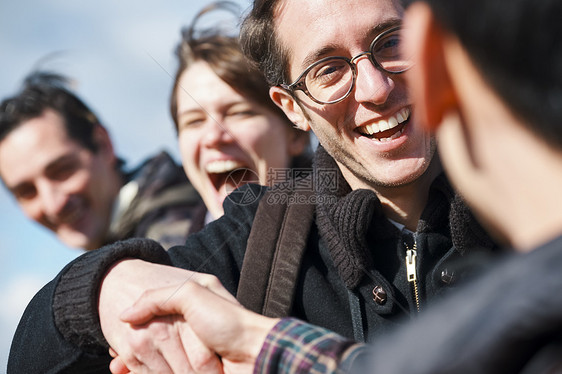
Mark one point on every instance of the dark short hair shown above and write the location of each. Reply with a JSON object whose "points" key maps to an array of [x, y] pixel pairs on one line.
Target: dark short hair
{"points": [[517, 47], [260, 44], [45, 90], [224, 56]]}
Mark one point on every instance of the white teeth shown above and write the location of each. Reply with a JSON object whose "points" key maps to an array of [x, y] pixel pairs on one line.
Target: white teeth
{"points": [[384, 125], [391, 123], [394, 136], [221, 166], [371, 129], [405, 112]]}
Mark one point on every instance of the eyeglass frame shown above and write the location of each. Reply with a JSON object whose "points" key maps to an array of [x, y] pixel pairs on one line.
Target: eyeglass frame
{"points": [[300, 84]]}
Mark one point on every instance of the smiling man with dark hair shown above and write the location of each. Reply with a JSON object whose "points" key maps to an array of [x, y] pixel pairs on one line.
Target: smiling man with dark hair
{"points": [[58, 161]]}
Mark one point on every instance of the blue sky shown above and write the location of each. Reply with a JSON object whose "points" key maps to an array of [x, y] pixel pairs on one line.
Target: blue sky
{"points": [[121, 55]]}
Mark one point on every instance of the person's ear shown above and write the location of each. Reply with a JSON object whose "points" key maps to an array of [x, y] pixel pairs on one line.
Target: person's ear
{"points": [[290, 107], [430, 83], [103, 142]]}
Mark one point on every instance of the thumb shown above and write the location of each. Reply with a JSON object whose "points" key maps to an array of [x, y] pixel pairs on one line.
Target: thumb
{"points": [[152, 303], [117, 366]]}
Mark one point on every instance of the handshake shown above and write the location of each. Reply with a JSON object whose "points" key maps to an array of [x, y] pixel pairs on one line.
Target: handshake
{"points": [[183, 322]]}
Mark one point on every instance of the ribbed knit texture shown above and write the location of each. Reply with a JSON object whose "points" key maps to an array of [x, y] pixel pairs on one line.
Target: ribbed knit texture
{"points": [[75, 304], [344, 225], [466, 232]]}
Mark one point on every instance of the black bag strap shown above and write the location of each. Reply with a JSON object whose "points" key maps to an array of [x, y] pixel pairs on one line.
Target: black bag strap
{"points": [[274, 252]]}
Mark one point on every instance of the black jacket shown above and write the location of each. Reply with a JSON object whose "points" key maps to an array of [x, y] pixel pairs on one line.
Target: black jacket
{"points": [[354, 253], [509, 320]]}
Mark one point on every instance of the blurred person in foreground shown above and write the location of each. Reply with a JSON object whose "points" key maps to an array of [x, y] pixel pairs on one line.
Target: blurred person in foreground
{"points": [[492, 91], [58, 162]]}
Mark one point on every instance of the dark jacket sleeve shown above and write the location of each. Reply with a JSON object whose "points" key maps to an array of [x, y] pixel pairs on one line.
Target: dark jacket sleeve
{"points": [[60, 331], [38, 347]]}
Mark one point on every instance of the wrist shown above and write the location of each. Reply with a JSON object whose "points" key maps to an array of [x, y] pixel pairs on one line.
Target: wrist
{"points": [[258, 333], [75, 300]]}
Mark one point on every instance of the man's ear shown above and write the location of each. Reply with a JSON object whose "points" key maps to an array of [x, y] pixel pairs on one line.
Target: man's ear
{"points": [[103, 142], [430, 84], [290, 106]]}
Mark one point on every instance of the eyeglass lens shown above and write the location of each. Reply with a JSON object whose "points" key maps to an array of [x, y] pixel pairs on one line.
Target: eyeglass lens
{"points": [[332, 79]]}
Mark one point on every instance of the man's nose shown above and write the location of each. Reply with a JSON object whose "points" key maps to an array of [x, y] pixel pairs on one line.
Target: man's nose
{"points": [[372, 84], [52, 199]]}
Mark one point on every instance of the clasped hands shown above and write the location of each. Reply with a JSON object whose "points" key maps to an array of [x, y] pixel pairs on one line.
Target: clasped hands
{"points": [[161, 319]]}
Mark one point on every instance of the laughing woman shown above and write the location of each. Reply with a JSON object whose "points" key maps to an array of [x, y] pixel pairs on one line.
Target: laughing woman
{"points": [[229, 131]]}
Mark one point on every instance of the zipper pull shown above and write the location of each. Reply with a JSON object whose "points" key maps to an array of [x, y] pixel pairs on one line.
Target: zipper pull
{"points": [[411, 273], [411, 255]]}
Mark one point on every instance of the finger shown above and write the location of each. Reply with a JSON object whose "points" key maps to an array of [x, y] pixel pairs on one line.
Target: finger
{"points": [[171, 347], [126, 364], [160, 302], [201, 359], [152, 303], [148, 362], [140, 364], [208, 281], [155, 303], [145, 343], [212, 283], [117, 366]]}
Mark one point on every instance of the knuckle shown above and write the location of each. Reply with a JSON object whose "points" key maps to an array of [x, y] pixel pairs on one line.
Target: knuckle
{"points": [[131, 362], [188, 287], [213, 281], [160, 330], [140, 340], [202, 361], [146, 294]]}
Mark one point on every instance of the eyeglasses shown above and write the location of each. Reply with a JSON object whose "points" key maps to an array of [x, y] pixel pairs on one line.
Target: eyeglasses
{"points": [[331, 79]]}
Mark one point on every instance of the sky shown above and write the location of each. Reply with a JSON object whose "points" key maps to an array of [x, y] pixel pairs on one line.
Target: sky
{"points": [[120, 55]]}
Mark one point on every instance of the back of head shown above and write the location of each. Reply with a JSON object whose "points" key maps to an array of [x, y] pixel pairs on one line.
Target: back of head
{"points": [[44, 90], [517, 46], [259, 42], [224, 56]]}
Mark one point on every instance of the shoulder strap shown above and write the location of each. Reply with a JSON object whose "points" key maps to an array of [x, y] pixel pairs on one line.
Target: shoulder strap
{"points": [[274, 252]]}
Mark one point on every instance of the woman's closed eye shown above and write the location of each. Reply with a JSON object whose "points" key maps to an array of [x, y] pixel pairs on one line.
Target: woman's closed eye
{"points": [[191, 122]]}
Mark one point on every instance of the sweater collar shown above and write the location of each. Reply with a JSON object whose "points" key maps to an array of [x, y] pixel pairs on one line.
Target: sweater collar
{"points": [[345, 216]]}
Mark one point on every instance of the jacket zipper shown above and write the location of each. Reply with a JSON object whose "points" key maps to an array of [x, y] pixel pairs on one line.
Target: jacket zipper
{"points": [[411, 256]]}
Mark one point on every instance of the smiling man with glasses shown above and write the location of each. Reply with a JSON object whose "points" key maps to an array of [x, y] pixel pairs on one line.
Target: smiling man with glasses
{"points": [[384, 236], [343, 77]]}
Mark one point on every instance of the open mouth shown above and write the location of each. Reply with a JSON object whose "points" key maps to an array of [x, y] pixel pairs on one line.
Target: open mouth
{"points": [[229, 174], [387, 129]]}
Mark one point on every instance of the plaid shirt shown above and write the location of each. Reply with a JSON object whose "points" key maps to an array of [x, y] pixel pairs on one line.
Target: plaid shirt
{"points": [[293, 346]]}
